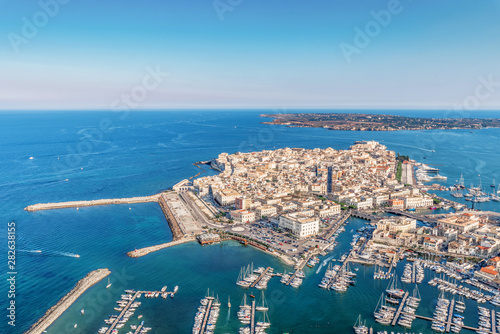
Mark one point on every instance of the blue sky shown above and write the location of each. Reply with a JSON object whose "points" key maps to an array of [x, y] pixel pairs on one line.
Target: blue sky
{"points": [[89, 54]]}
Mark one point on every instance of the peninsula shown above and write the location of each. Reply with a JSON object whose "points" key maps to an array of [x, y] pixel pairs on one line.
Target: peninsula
{"points": [[374, 122]]}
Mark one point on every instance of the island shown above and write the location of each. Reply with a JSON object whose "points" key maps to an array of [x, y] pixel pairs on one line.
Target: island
{"points": [[375, 122]]}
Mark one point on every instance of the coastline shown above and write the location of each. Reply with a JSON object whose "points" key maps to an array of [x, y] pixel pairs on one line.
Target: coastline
{"points": [[65, 302]]}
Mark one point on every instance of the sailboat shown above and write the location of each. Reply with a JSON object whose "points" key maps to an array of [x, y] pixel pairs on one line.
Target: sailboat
{"points": [[109, 284], [263, 306]]}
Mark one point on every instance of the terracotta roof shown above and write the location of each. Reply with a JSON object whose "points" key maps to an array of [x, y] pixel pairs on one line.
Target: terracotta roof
{"points": [[495, 259], [489, 270]]}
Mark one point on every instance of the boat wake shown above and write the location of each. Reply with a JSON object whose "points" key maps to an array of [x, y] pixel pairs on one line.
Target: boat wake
{"points": [[325, 261], [30, 251]]}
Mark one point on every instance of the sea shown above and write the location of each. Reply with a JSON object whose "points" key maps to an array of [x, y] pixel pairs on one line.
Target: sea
{"points": [[85, 155]]}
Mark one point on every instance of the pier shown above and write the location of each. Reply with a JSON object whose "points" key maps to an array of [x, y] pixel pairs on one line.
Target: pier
{"points": [[207, 312], [450, 316], [252, 318], [337, 225], [493, 322], [260, 277], [413, 273], [431, 319], [120, 316], [138, 330], [130, 302], [400, 309], [62, 305], [78, 204], [146, 250]]}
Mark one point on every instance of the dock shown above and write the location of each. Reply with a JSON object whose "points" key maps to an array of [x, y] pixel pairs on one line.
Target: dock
{"points": [[464, 326], [207, 312], [450, 316], [252, 318], [138, 330], [260, 277], [337, 225], [62, 305], [413, 273], [78, 204], [493, 322], [125, 309], [400, 309]]}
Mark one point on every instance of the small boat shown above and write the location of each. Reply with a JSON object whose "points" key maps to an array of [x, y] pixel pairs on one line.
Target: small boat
{"points": [[229, 302], [140, 316], [75, 326], [82, 311], [109, 284], [176, 289], [252, 296], [76, 255]]}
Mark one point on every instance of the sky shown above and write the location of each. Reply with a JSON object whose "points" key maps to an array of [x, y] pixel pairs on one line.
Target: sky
{"points": [[131, 54]]}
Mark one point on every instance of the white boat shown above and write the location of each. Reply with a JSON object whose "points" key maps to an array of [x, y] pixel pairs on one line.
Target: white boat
{"points": [[109, 284], [82, 311]]}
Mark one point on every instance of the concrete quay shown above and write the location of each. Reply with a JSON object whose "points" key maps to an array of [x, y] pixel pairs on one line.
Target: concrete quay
{"points": [[77, 204], [65, 302], [146, 250]]}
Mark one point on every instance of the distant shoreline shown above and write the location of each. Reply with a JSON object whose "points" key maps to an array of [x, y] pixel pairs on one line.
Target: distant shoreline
{"points": [[377, 122]]}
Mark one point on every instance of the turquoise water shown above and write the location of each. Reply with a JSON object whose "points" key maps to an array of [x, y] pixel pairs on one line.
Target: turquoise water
{"points": [[144, 153]]}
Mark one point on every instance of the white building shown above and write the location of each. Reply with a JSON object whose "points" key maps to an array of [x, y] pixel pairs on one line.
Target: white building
{"points": [[226, 196], [243, 216], [400, 224], [299, 225], [412, 202], [266, 210]]}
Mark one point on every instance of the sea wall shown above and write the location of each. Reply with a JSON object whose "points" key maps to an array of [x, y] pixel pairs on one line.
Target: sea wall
{"points": [[62, 305]]}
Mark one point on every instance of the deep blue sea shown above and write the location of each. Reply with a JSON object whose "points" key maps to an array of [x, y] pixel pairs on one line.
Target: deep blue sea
{"points": [[92, 155]]}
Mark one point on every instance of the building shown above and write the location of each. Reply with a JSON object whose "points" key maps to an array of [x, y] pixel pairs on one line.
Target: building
{"points": [[486, 273], [242, 216], [463, 223], [299, 225], [396, 203], [226, 196], [327, 210], [265, 211], [400, 224], [412, 202], [242, 203]]}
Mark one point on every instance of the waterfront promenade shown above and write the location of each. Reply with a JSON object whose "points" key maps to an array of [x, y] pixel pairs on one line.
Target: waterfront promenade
{"points": [[62, 305], [79, 204]]}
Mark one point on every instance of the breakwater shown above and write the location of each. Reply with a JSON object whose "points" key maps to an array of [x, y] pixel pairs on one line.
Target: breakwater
{"points": [[65, 302], [146, 250], [171, 219], [77, 204]]}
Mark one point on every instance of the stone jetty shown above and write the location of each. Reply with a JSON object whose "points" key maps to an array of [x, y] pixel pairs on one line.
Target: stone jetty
{"points": [[62, 305]]}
